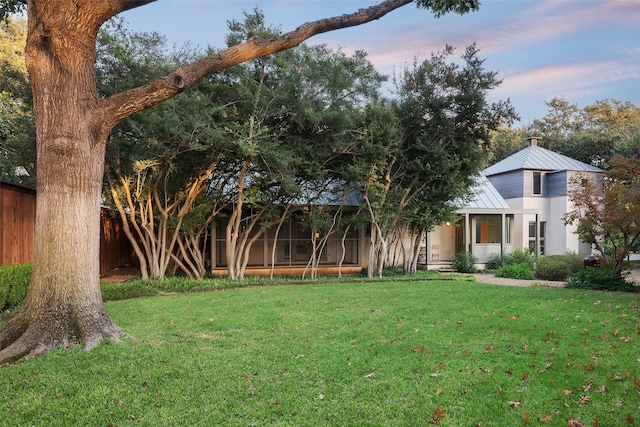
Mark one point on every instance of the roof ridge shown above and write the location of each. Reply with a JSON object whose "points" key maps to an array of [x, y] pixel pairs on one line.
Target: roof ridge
{"points": [[538, 158]]}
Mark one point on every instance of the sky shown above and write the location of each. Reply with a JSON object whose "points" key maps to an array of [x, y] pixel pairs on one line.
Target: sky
{"points": [[579, 50]]}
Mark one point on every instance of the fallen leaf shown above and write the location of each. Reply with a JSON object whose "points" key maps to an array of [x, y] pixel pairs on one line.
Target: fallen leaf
{"points": [[601, 389], [630, 419], [575, 422], [587, 387], [370, 376], [515, 404], [567, 392], [321, 396], [525, 417], [438, 415], [545, 419], [584, 400]]}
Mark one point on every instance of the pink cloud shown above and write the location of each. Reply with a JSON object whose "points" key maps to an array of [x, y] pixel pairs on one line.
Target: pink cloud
{"points": [[571, 81]]}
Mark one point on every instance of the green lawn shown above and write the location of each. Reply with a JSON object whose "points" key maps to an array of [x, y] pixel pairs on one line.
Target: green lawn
{"points": [[453, 353]]}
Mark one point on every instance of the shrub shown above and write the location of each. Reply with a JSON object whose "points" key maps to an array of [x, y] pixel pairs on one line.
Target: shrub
{"points": [[496, 260], [553, 267], [558, 267], [464, 262], [516, 271], [523, 257], [575, 261], [134, 289], [600, 278], [386, 272], [14, 284]]}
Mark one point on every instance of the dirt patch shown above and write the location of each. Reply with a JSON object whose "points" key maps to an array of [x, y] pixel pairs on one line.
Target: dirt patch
{"points": [[121, 274]]}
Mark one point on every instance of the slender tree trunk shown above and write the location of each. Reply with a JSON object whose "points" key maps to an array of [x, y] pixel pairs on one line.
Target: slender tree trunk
{"points": [[411, 262]]}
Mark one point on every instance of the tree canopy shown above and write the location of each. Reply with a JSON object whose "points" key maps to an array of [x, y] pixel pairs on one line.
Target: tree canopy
{"points": [[606, 209], [73, 122]]}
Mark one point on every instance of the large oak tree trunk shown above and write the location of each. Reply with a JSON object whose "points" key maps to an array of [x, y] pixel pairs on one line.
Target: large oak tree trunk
{"points": [[64, 300]]}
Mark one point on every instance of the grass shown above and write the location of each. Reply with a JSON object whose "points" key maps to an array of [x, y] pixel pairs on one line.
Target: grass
{"points": [[454, 353]]}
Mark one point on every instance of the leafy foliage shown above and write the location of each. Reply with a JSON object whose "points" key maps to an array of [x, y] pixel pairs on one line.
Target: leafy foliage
{"points": [[606, 209], [17, 128], [14, 284], [496, 260], [522, 257], [558, 267], [600, 278], [464, 262], [516, 271]]}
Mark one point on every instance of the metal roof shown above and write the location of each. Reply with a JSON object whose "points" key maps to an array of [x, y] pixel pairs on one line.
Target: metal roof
{"points": [[534, 157], [485, 196]]}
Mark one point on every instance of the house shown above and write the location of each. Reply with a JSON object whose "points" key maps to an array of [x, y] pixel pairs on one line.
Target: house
{"points": [[518, 203]]}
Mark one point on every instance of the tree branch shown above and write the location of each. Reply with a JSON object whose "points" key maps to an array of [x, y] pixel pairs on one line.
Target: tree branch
{"points": [[124, 104]]}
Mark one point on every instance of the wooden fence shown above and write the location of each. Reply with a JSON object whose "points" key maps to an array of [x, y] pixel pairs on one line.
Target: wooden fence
{"points": [[17, 223], [17, 226]]}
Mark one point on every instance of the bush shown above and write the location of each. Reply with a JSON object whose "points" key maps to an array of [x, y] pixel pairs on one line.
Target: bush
{"points": [[523, 257], [14, 284], [600, 278], [113, 291], [516, 271], [386, 272], [496, 260], [553, 267], [558, 267], [464, 262]]}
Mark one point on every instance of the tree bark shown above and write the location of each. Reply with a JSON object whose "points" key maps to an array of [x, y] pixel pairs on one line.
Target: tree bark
{"points": [[64, 300]]}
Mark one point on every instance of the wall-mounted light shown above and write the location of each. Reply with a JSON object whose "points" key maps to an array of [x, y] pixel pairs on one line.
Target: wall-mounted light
{"points": [[448, 224]]}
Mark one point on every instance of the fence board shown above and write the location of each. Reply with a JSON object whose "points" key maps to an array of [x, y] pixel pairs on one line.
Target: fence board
{"points": [[17, 223], [17, 229]]}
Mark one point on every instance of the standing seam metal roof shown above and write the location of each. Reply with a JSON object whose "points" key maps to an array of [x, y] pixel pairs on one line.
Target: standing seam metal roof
{"points": [[485, 196], [534, 157]]}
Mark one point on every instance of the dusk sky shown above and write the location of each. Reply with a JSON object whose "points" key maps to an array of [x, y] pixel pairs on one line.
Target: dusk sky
{"points": [[579, 50]]}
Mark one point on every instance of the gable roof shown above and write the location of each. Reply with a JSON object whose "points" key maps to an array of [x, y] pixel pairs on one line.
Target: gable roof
{"points": [[534, 157], [484, 196]]}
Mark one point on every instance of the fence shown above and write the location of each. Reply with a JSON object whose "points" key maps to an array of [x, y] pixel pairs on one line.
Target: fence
{"points": [[17, 223], [17, 226]]}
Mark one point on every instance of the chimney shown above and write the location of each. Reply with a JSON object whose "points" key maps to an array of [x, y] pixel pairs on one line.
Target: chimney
{"points": [[533, 141]]}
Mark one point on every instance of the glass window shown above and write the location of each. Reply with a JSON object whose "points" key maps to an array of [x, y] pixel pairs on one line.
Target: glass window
{"points": [[507, 229], [537, 183], [488, 229], [532, 237]]}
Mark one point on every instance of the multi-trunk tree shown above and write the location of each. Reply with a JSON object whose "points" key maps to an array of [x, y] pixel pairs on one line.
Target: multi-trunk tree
{"points": [[605, 209], [72, 125], [422, 152]]}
